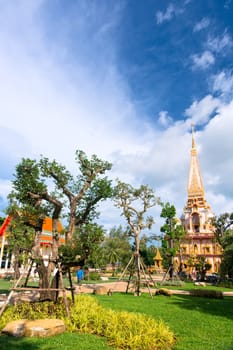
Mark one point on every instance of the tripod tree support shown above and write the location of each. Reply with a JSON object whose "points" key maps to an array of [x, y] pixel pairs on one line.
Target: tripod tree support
{"points": [[134, 203], [21, 286], [137, 275]]}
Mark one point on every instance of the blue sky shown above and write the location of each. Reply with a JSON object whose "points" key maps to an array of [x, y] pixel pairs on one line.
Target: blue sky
{"points": [[124, 80]]}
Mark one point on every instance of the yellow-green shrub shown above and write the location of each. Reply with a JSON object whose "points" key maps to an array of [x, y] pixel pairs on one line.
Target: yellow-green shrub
{"points": [[33, 311], [123, 330]]}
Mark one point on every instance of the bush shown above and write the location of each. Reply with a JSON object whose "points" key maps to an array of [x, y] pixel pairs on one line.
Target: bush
{"points": [[33, 311], [93, 276], [176, 283], [206, 293], [123, 330]]}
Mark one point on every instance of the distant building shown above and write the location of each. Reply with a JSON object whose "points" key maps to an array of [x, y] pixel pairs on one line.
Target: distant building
{"points": [[45, 241], [196, 220]]}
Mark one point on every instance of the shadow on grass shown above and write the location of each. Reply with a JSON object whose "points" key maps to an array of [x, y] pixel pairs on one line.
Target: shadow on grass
{"points": [[4, 291], [12, 343], [68, 341], [215, 307]]}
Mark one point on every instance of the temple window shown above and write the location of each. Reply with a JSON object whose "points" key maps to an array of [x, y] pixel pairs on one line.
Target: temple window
{"points": [[196, 222]]}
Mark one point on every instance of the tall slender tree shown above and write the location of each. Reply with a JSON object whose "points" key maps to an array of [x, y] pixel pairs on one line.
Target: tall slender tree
{"points": [[135, 203], [173, 232], [224, 235]]}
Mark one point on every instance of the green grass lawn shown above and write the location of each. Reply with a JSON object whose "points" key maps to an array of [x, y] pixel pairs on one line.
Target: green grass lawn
{"points": [[64, 341], [198, 323], [190, 285]]}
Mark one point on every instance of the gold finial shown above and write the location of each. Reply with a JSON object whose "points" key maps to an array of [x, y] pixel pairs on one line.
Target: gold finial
{"points": [[193, 140]]}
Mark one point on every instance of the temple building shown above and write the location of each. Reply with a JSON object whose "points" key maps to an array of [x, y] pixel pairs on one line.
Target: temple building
{"points": [[6, 257], [199, 240]]}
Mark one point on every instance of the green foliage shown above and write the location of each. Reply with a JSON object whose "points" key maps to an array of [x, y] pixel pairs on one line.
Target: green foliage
{"points": [[93, 276], [117, 247], [123, 330], [201, 266], [129, 199], [33, 311], [147, 252], [227, 259], [224, 234], [88, 239], [173, 282], [68, 253], [173, 232]]}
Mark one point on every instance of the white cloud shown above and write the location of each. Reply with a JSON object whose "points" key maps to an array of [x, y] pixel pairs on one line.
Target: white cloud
{"points": [[56, 99], [170, 12], [223, 82], [219, 43], [200, 111], [164, 119], [204, 23], [203, 60]]}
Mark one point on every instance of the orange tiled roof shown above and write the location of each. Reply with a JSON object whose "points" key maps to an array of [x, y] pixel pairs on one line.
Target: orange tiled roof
{"points": [[47, 225], [46, 236]]}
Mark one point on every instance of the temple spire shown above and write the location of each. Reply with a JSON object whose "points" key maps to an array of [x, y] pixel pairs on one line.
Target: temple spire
{"points": [[193, 140], [196, 193]]}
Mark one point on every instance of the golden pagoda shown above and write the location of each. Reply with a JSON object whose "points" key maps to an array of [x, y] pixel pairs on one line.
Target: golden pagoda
{"points": [[158, 267], [199, 240]]}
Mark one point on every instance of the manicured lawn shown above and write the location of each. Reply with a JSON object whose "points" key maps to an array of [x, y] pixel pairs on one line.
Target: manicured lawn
{"points": [[198, 323], [190, 285], [60, 342]]}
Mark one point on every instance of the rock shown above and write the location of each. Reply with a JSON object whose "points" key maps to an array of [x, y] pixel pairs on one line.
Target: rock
{"points": [[104, 278], [202, 284], [164, 291], [36, 328], [15, 328], [102, 290]]}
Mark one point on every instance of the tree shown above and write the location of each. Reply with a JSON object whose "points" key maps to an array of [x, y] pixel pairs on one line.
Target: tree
{"points": [[117, 247], [147, 251], [201, 266], [83, 193], [222, 224], [224, 235], [33, 201], [134, 203], [173, 231], [226, 268], [88, 239], [20, 241], [30, 203]]}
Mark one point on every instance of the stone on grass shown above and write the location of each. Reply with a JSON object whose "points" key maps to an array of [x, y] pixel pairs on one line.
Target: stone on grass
{"points": [[102, 290], [164, 291], [15, 328], [35, 328]]}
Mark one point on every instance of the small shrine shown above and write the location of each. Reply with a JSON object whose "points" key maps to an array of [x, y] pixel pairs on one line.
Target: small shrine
{"points": [[158, 261]]}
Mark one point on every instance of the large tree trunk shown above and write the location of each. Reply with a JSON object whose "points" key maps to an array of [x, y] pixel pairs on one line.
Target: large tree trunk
{"points": [[72, 222], [137, 264], [48, 276], [16, 264]]}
